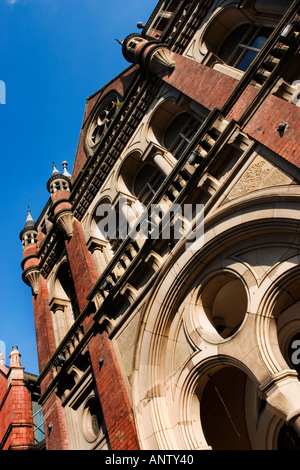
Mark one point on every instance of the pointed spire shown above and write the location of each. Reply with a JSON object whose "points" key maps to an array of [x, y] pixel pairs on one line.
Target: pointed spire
{"points": [[65, 167], [29, 220], [120, 41], [55, 170]]}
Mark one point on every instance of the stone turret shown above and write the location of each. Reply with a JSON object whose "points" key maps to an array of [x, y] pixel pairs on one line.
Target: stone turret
{"points": [[154, 57], [15, 357], [30, 263], [59, 187]]}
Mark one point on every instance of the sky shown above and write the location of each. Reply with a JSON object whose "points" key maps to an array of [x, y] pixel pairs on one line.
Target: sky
{"points": [[53, 55]]}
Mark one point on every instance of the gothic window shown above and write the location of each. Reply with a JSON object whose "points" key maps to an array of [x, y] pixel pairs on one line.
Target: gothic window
{"points": [[223, 410], [101, 119], [243, 44]]}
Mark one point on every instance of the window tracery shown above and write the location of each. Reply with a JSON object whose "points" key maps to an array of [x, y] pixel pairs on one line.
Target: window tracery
{"points": [[101, 119]]}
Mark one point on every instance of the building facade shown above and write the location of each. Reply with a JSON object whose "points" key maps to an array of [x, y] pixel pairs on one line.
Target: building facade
{"points": [[165, 270]]}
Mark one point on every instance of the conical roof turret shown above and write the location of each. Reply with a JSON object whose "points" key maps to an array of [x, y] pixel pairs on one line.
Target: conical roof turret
{"points": [[29, 220]]}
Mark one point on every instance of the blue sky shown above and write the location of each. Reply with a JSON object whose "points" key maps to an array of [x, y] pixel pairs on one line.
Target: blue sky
{"points": [[53, 55]]}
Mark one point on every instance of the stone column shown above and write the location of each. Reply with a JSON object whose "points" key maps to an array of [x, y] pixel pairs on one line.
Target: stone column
{"points": [[164, 167], [282, 394], [61, 319]]}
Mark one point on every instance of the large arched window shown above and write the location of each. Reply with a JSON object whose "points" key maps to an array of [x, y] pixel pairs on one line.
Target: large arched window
{"points": [[173, 127], [243, 44]]}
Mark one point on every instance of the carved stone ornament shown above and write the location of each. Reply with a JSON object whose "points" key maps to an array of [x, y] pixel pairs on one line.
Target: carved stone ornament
{"points": [[101, 120], [64, 223], [160, 61], [31, 277]]}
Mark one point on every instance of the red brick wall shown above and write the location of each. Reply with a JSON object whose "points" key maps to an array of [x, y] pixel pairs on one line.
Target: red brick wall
{"points": [[208, 87], [242, 103], [264, 123], [52, 409], [82, 265], [113, 395], [43, 325], [56, 434], [16, 424], [114, 400]]}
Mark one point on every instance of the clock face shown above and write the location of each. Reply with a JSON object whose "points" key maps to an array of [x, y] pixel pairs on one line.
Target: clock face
{"points": [[101, 121]]}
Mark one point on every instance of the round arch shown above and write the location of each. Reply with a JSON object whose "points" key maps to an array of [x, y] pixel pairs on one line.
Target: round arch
{"points": [[170, 347]]}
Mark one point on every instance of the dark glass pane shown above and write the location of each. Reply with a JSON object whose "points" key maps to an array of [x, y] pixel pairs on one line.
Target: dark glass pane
{"points": [[231, 43], [143, 177], [176, 126], [259, 42], [246, 60]]}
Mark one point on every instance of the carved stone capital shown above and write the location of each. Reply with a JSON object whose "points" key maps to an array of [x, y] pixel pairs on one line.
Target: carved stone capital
{"points": [[31, 277], [58, 304], [64, 222], [282, 394], [160, 61]]}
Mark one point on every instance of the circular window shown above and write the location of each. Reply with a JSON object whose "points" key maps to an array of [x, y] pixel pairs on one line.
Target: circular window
{"points": [[223, 304], [92, 419], [101, 120]]}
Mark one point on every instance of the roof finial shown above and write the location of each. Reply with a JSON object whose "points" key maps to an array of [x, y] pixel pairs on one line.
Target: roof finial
{"points": [[55, 170], [29, 219], [65, 166], [120, 41], [15, 357]]}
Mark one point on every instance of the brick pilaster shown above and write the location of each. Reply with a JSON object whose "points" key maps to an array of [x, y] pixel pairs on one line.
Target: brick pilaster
{"points": [[55, 435], [113, 395]]}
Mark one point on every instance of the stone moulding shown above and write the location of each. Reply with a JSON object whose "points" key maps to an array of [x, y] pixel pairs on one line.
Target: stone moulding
{"points": [[31, 277], [160, 61], [64, 222]]}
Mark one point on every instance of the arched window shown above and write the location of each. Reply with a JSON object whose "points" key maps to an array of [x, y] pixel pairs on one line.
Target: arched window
{"points": [[243, 44], [64, 276], [63, 304], [180, 132], [147, 182]]}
